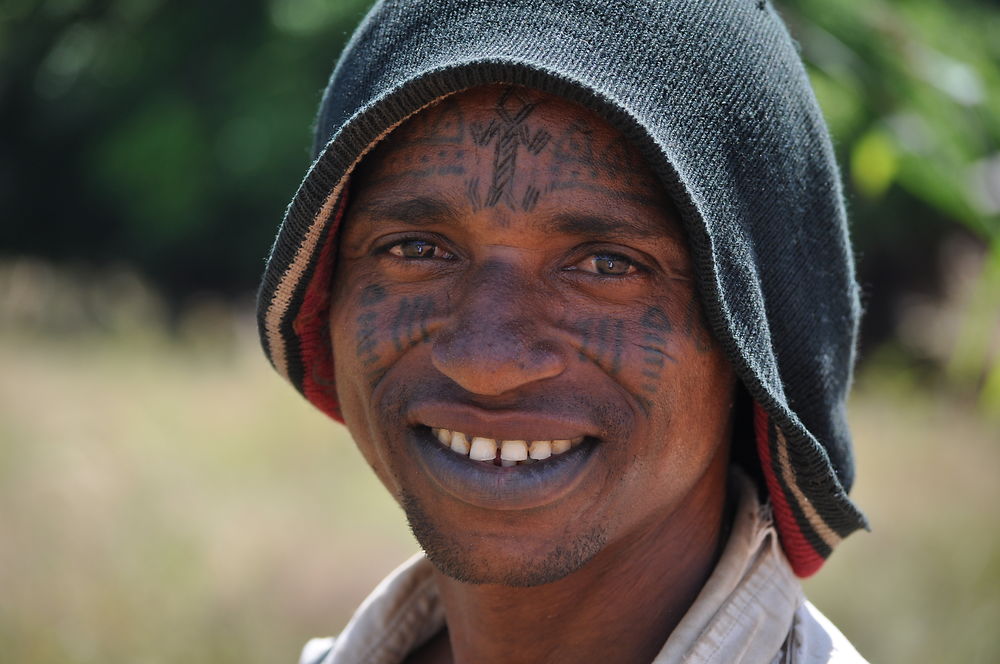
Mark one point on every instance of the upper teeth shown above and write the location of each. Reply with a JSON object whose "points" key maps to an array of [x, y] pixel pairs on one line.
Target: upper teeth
{"points": [[512, 452]]}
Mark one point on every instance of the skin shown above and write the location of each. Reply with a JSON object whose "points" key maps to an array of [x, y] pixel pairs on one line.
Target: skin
{"points": [[506, 251]]}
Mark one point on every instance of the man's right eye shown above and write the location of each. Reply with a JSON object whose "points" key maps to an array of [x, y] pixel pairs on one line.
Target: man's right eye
{"points": [[418, 249]]}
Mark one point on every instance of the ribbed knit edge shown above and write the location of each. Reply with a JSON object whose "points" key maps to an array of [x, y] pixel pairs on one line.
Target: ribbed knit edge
{"points": [[290, 266]]}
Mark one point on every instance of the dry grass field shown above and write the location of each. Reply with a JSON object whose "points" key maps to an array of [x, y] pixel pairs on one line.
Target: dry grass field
{"points": [[170, 499]]}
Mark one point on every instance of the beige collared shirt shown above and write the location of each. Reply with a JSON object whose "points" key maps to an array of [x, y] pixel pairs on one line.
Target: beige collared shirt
{"points": [[751, 611]]}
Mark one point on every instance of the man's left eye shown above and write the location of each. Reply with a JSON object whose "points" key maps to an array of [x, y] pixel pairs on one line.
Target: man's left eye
{"points": [[418, 249], [608, 264]]}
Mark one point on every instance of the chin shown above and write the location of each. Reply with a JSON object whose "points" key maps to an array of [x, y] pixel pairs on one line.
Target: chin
{"points": [[499, 561]]}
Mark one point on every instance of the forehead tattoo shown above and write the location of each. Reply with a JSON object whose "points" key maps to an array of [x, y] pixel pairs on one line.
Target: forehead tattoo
{"points": [[581, 159]]}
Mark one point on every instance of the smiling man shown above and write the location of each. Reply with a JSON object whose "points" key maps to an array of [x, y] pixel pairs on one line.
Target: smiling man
{"points": [[576, 277]]}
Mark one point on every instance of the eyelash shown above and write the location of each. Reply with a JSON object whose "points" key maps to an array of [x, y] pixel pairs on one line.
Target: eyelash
{"points": [[596, 254], [386, 249], [614, 258]]}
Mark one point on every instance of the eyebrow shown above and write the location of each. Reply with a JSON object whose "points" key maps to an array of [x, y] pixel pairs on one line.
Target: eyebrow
{"points": [[418, 211], [615, 228], [426, 210]]}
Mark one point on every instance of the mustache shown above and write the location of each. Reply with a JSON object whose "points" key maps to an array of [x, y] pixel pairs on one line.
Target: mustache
{"points": [[608, 412]]}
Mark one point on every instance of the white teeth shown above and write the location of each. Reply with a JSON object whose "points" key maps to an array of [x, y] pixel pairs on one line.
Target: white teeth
{"points": [[459, 442], [540, 449], [483, 449], [513, 450]]}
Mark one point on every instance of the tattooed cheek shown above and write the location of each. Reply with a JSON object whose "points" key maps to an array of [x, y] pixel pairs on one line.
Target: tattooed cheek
{"points": [[371, 295], [368, 335], [384, 328], [366, 338], [602, 340], [611, 344], [656, 327], [408, 326]]}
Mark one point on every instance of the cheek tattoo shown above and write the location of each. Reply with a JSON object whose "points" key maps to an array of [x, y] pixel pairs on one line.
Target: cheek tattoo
{"points": [[654, 355], [365, 336], [407, 327], [366, 331], [603, 342], [372, 294]]}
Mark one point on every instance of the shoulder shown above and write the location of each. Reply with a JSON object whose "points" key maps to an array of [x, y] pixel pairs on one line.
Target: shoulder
{"points": [[316, 650], [815, 640]]}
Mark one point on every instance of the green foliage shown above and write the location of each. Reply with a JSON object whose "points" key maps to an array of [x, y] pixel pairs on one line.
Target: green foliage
{"points": [[976, 359], [912, 94], [874, 163], [156, 164], [169, 136]]}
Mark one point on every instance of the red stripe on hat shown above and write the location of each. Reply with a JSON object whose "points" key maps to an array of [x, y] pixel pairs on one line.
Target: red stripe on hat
{"points": [[312, 326], [804, 559]]}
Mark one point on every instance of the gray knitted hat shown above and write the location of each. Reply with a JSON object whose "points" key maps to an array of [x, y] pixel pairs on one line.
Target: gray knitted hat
{"points": [[714, 96]]}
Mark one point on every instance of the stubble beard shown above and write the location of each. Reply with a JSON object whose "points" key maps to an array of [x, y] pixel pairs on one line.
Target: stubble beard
{"points": [[462, 564]]}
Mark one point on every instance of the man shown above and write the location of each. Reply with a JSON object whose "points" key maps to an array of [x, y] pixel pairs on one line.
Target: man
{"points": [[576, 277]]}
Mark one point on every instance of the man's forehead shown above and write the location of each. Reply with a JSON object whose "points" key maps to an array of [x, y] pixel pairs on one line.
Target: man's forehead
{"points": [[484, 119], [527, 145], [506, 106]]}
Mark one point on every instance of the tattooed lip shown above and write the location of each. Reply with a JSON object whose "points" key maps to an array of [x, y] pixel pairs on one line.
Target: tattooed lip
{"points": [[488, 483], [498, 487]]}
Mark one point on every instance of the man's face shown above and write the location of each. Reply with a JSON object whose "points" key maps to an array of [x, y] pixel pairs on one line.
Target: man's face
{"points": [[509, 270]]}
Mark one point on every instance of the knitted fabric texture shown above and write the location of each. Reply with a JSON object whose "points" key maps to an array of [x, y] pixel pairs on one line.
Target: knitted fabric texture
{"points": [[714, 96]]}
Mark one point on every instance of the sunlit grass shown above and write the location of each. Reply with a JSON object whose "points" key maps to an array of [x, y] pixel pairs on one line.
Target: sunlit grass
{"points": [[171, 499], [160, 503], [924, 585]]}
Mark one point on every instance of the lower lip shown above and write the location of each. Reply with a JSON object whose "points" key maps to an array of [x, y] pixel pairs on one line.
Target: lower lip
{"points": [[520, 487]]}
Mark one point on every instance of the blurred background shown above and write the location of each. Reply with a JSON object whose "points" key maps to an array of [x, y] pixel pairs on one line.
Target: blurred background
{"points": [[165, 497]]}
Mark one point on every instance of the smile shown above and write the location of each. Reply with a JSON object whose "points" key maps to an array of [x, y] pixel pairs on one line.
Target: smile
{"points": [[477, 472], [504, 453]]}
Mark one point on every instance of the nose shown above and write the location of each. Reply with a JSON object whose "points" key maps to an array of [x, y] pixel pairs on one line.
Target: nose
{"points": [[495, 341]]}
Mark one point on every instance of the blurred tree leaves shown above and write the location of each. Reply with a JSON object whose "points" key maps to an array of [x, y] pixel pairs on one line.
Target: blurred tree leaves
{"points": [[874, 163], [166, 136], [911, 90], [171, 136]]}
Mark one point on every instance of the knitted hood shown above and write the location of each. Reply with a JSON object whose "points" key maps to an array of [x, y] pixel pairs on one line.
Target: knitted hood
{"points": [[714, 96]]}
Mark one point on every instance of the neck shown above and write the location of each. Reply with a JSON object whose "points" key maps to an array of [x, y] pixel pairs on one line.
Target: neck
{"points": [[621, 606]]}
